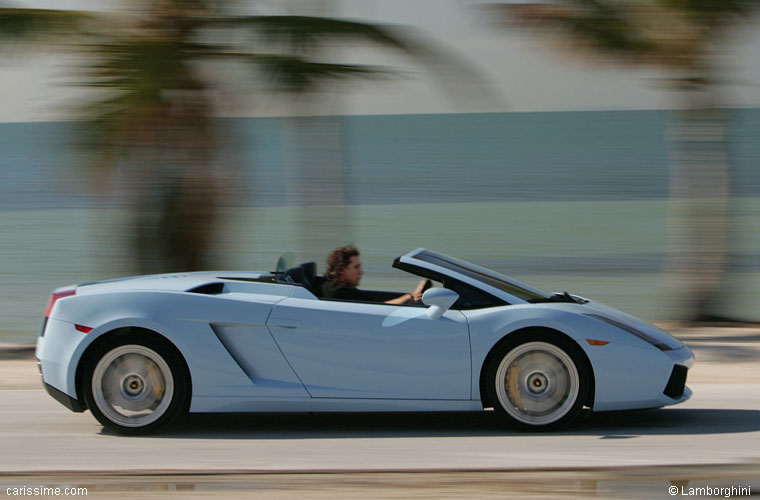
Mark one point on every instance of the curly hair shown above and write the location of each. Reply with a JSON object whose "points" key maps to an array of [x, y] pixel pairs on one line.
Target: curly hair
{"points": [[338, 260]]}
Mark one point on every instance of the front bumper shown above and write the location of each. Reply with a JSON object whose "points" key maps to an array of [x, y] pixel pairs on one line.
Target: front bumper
{"points": [[631, 379], [675, 390]]}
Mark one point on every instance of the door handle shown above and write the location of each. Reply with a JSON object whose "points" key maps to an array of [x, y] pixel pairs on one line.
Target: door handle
{"points": [[284, 323]]}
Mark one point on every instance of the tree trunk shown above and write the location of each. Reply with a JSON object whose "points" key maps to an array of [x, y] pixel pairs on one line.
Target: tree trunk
{"points": [[700, 188], [318, 185], [188, 221]]}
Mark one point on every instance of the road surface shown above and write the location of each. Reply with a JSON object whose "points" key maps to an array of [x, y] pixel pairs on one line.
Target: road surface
{"points": [[715, 437]]}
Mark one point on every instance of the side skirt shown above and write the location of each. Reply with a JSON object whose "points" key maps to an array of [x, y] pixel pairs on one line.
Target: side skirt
{"points": [[219, 404]]}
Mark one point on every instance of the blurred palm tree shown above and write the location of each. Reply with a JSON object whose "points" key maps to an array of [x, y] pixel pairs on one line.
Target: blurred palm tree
{"points": [[150, 122], [303, 71], [682, 37]]}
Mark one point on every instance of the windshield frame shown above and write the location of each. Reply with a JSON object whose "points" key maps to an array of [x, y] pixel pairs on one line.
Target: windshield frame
{"points": [[497, 284]]}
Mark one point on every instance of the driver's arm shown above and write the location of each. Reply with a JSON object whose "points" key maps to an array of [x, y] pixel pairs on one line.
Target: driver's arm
{"points": [[413, 297], [402, 299]]}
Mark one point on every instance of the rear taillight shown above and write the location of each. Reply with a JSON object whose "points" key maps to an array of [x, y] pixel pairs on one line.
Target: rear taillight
{"points": [[55, 296]]}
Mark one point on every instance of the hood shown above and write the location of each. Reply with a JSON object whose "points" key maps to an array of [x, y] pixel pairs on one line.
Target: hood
{"points": [[603, 312]]}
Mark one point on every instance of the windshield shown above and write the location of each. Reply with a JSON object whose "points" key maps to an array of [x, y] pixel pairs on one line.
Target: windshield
{"points": [[285, 262], [485, 276]]}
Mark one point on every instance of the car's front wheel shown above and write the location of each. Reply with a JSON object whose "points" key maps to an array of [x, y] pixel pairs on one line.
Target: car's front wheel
{"points": [[135, 384], [538, 382]]}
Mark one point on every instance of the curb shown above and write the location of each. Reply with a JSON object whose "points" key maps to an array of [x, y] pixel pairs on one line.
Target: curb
{"points": [[17, 351]]}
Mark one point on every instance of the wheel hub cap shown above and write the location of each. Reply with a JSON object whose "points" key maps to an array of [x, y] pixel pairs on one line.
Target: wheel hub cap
{"points": [[537, 383], [133, 385]]}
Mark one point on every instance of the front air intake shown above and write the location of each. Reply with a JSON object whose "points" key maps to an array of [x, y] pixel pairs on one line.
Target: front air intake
{"points": [[677, 382]]}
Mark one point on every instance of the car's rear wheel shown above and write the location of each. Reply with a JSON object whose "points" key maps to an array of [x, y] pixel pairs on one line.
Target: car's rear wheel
{"points": [[538, 382], [135, 384]]}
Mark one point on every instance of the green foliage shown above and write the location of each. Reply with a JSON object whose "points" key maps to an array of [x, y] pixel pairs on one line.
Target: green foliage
{"points": [[303, 33], [17, 24], [296, 74], [606, 26], [674, 34], [712, 12], [144, 69]]}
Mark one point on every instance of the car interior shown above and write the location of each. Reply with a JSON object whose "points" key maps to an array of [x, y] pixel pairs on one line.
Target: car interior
{"points": [[469, 297], [306, 275]]}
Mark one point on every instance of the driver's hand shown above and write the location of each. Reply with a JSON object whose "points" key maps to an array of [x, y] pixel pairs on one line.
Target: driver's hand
{"points": [[421, 287]]}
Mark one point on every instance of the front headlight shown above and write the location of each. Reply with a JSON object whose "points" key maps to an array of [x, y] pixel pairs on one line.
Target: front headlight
{"points": [[643, 336]]}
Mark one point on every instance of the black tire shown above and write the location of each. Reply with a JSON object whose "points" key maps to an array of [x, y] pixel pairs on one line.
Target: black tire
{"points": [[538, 381], [135, 384]]}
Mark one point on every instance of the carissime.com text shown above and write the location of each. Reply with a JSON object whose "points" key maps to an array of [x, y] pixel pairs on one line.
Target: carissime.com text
{"points": [[41, 491]]}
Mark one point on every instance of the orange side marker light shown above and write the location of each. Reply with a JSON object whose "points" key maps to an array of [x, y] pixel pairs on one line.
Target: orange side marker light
{"points": [[596, 342]]}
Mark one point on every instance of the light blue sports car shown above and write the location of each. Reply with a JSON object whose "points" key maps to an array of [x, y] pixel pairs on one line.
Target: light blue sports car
{"points": [[138, 352]]}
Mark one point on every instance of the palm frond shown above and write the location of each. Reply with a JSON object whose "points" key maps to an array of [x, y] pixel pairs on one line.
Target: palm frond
{"points": [[294, 74], [305, 31], [41, 24], [668, 33], [598, 26], [713, 12]]}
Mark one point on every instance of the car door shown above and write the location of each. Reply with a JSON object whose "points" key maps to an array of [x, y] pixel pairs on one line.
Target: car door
{"points": [[366, 350]]}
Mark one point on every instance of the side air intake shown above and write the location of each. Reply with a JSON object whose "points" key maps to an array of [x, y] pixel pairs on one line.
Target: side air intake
{"points": [[209, 289]]}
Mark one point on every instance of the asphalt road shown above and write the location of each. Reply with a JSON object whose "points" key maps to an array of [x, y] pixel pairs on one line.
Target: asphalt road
{"points": [[718, 427]]}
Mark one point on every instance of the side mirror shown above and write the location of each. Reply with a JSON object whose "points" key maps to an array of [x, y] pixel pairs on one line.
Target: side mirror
{"points": [[439, 301]]}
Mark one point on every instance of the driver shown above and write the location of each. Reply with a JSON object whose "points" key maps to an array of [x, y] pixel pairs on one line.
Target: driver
{"points": [[344, 272]]}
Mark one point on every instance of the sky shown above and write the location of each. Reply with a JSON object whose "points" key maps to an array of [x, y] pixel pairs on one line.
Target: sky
{"points": [[502, 70]]}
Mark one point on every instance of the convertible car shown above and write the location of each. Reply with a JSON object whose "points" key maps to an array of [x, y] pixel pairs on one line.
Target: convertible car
{"points": [[138, 352]]}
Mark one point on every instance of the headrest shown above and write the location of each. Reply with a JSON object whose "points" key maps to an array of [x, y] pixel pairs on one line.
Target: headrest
{"points": [[310, 270], [295, 274]]}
